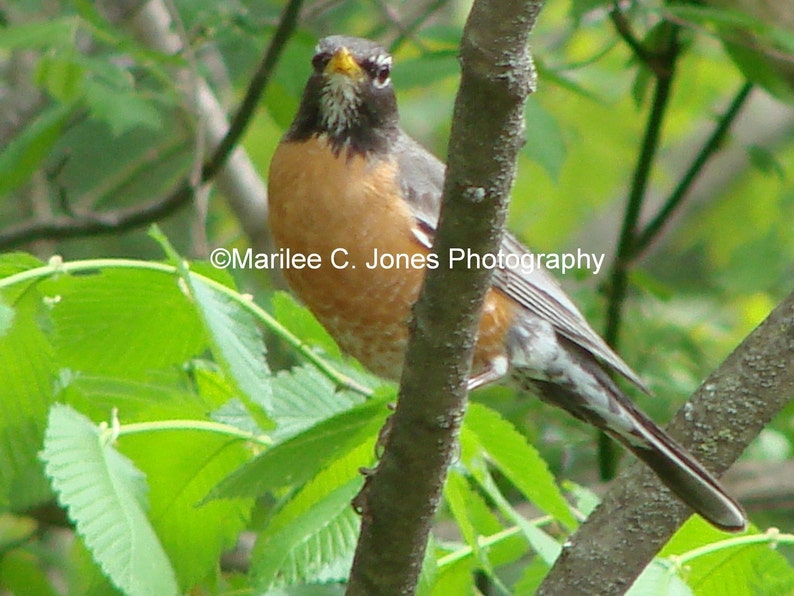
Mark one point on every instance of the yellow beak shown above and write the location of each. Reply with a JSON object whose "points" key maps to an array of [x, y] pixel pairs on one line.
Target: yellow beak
{"points": [[342, 62]]}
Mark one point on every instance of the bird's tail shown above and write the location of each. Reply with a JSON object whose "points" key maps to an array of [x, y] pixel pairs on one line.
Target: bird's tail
{"points": [[682, 473], [582, 388]]}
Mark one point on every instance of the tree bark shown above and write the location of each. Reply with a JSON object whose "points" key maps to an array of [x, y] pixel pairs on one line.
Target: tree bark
{"points": [[638, 515], [399, 500]]}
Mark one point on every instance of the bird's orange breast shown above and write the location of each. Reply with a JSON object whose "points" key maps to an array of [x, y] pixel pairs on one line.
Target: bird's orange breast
{"points": [[347, 209]]}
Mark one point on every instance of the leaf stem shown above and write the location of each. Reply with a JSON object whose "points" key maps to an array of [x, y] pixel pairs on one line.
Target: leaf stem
{"points": [[202, 425], [772, 536], [484, 542], [56, 265]]}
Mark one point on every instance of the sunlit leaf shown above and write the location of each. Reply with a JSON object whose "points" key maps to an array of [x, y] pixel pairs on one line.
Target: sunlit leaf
{"points": [[105, 496]]}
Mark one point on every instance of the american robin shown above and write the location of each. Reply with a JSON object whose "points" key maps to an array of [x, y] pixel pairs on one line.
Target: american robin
{"points": [[346, 183]]}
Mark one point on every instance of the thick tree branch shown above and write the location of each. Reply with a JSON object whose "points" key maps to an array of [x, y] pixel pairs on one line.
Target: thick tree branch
{"points": [[399, 500], [238, 179], [725, 414]]}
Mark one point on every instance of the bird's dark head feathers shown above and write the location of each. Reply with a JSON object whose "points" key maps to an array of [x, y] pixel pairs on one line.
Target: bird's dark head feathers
{"points": [[349, 97]]}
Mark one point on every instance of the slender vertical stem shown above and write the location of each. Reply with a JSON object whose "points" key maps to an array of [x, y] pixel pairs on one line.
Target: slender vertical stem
{"points": [[618, 280], [710, 147]]}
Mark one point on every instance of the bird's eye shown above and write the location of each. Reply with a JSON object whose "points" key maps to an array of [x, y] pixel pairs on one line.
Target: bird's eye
{"points": [[320, 61], [379, 70]]}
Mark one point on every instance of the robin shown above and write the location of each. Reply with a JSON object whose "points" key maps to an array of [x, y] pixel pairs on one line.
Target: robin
{"points": [[347, 184]]}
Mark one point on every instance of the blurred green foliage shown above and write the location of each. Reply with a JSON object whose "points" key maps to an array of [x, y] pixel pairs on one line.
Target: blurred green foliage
{"points": [[208, 442]]}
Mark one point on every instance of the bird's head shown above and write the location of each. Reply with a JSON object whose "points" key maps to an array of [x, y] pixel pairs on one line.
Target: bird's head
{"points": [[349, 96]]}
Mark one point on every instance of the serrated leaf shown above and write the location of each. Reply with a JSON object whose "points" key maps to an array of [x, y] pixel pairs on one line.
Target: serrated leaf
{"points": [[237, 343], [324, 554], [303, 397], [734, 571], [299, 458], [313, 540], [122, 322], [151, 397], [105, 496], [517, 460], [193, 536]]}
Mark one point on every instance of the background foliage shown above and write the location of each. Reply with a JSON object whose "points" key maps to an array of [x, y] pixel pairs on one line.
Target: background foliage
{"points": [[161, 432]]}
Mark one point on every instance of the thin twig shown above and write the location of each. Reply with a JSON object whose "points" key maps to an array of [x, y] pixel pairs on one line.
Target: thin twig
{"points": [[623, 27], [709, 148], [256, 88], [411, 28], [650, 144]]}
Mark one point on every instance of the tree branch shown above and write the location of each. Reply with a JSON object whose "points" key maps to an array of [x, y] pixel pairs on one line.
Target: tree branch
{"points": [[623, 27], [487, 132], [617, 286], [725, 414], [647, 235], [252, 214]]}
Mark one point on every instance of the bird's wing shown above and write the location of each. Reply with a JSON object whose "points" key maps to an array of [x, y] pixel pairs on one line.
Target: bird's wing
{"points": [[422, 179]]}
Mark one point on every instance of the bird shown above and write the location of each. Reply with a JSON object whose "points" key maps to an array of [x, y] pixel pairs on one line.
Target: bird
{"points": [[347, 183]]}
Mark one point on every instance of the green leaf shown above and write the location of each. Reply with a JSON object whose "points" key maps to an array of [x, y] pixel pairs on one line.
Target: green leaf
{"points": [[759, 69], [474, 521], [27, 370], [736, 571], [301, 457], [547, 548], [193, 536], [311, 543], [21, 573], [765, 161], [517, 460], [122, 322], [105, 496], [157, 396], [303, 396], [237, 343], [545, 143], [121, 109], [313, 536], [303, 324], [659, 579], [531, 578], [62, 75], [24, 154], [40, 34], [427, 69], [6, 317], [16, 262]]}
